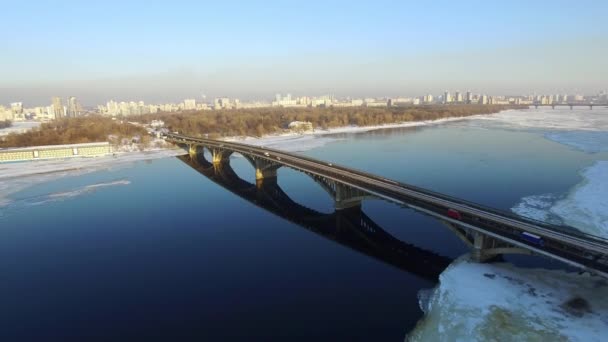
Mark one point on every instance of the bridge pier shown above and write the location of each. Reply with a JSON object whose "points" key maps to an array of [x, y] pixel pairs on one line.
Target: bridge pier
{"points": [[344, 196], [219, 155], [194, 150], [265, 169]]}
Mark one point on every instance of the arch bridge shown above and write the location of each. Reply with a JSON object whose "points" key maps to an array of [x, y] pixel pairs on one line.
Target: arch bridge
{"points": [[349, 227], [487, 231]]}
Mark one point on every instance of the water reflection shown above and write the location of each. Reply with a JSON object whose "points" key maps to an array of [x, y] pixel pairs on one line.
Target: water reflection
{"points": [[350, 227]]}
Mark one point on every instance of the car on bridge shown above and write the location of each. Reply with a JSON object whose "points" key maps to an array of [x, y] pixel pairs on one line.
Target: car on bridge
{"points": [[455, 214], [532, 238]]}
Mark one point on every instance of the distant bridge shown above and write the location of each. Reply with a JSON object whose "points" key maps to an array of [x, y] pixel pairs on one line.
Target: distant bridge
{"points": [[349, 227], [489, 232], [571, 105]]}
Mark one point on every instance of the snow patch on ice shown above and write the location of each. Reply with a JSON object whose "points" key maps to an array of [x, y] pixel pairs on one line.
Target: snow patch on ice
{"points": [[60, 196], [19, 127], [499, 302], [584, 207], [297, 142], [15, 177], [559, 119]]}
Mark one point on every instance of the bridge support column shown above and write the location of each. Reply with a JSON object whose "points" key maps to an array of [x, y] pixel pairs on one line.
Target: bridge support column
{"points": [[265, 169], [219, 155], [480, 245], [344, 196], [347, 197], [194, 150]]}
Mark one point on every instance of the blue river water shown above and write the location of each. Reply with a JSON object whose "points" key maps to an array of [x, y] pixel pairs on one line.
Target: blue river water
{"points": [[159, 251]]}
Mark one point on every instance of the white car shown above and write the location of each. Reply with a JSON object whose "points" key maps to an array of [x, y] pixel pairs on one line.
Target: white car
{"points": [[267, 154]]}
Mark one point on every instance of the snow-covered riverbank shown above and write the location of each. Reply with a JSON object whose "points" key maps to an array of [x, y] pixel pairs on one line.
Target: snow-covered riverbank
{"points": [[19, 127], [294, 142], [499, 302]]}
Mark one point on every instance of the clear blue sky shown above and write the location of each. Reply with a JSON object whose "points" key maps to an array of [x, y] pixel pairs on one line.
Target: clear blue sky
{"points": [[98, 50]]}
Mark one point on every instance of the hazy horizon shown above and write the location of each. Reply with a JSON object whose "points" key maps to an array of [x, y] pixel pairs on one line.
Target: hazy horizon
{"points": [[158, 53]]}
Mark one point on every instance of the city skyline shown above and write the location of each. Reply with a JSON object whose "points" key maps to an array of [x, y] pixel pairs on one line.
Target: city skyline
{"points": [[161, 53]]}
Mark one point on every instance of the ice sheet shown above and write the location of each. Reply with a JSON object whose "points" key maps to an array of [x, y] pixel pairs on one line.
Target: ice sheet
{"points": [[499, 302]]}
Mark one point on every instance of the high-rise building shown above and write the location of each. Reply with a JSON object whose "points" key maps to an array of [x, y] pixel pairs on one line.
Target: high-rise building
{"points": [[72, 107], [458, 97], [57, 107], [469, 98], [447, 97]]}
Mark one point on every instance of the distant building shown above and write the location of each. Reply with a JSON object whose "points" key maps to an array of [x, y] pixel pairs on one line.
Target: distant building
{"points": [[469, 97], [447, 98], [6, 114], [73, 106], [458, 97], [157, 123], [300, 126], [190, 104], [57, 107]]}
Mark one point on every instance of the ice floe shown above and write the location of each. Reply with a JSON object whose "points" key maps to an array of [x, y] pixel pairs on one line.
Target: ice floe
{"points": [[19, 127], [499, 302], [15, 177], [584, 207], [60, 196], [559, 119]]}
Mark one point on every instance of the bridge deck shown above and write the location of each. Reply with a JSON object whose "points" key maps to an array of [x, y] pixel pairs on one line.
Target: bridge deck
{"points": [[566, 244]]}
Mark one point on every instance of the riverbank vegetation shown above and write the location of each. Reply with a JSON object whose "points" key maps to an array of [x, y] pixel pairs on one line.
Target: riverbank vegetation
{"points": [[238, 122], [77, 130], [5, 123], [261, 121]]}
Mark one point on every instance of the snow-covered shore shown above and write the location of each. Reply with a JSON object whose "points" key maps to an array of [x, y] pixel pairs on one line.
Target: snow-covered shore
{"points": [[19, 127], [294, 142], [499, 302]]}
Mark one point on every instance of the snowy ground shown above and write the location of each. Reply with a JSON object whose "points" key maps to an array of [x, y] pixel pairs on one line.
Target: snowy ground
{"points": [[19, 127], [498, 302], [294, 142]]}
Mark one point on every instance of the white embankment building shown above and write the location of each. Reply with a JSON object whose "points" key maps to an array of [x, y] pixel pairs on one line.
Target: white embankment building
{"points": [[55, 151]]}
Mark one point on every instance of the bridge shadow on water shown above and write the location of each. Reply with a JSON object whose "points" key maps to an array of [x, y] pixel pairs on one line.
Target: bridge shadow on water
{"points": [[348, 227]]}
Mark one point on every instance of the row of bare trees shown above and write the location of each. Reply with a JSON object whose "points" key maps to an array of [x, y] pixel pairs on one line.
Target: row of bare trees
{"points": [[75, 130]]}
